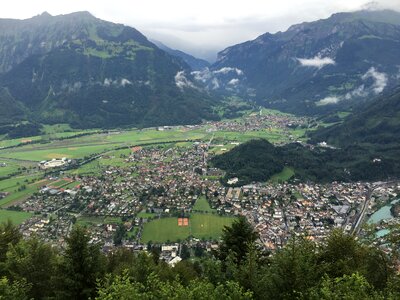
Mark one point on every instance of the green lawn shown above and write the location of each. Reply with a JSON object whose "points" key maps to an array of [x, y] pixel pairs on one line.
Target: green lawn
{"points": [[17, 217], [203, 205], [200, 226], [14, 186], [165, 229], [96, 220], [145, 215], [208, 226], [283, 176], [9, 168]]}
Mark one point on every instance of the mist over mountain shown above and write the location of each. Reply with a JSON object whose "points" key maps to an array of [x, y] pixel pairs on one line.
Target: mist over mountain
{"points": [[376, 123], [84, 71], [319, 66], [195, 63]]}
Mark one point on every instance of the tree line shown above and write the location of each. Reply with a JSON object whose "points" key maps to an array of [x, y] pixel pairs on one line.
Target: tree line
{"points": [[342, 267]]}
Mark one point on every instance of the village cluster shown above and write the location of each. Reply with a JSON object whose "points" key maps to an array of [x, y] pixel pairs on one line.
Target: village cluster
{"points": [[167, 180]]}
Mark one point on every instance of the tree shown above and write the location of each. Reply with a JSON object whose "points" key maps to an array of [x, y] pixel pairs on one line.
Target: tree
{"points": [[13, 291], [347, 287], [9, 235], [291, 272], [185, 252], [124, 288], [34, 262], [119, 234], [237, 239], [81, 265], [198, 250], [342, 255]]}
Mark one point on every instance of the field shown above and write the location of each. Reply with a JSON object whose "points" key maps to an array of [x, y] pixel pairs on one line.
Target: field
{"points": [[285, 175], [145, 215], [54, 144], [202, 205], [20, 187], [165, 229], [200, 226], [8, 168], [16, 217], [78, 147], [89, 220], [208, 226]]}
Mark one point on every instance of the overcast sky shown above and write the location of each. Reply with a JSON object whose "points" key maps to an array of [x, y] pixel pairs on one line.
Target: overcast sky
{"points": [[199, 27]]}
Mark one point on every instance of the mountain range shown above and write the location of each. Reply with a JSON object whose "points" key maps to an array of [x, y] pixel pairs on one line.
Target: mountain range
{"points": [[87, 72], [376, 124], [195, 63], [320, 66]]}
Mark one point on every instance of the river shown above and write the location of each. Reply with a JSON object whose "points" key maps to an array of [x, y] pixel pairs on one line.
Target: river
{"points": [[381, 214]]}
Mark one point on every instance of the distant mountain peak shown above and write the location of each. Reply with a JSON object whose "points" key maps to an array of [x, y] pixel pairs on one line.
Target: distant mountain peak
{"points": [[82, 14], [43, 15]]}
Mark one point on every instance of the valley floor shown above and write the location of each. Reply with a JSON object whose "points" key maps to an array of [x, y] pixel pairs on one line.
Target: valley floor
{"points": [[133, 187]]}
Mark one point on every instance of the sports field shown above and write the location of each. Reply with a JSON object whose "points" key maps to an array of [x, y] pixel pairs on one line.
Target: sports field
{"points": [[200, 226]]}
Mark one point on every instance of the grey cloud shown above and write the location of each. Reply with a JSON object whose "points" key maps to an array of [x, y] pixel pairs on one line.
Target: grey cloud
{"points": [[380, 79], [317, 62]]}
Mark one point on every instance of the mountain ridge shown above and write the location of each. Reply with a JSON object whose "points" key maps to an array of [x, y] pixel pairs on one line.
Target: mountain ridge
{"points": [[81, 70], [320, 66]]}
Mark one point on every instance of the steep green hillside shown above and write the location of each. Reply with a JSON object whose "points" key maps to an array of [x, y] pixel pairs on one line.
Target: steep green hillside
{"points": [[376, 124], [319, 66], [258, 160], [81, 70]]}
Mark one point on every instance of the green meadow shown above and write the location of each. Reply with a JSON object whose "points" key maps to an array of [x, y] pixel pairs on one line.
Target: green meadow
{"points": [[207, 226], [201, 225], [283, 176], [202, 205], [17, 217]]}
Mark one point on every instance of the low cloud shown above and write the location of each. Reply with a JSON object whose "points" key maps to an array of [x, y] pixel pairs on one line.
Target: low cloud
{"points": [[181, 81], [125, 81], [234, 81], [107, 82], [226, 77], [215, 84], [329, 100], [203, 75], [316, 62], [72, 87], [380, 79], [358, 92], [226, 70]]}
